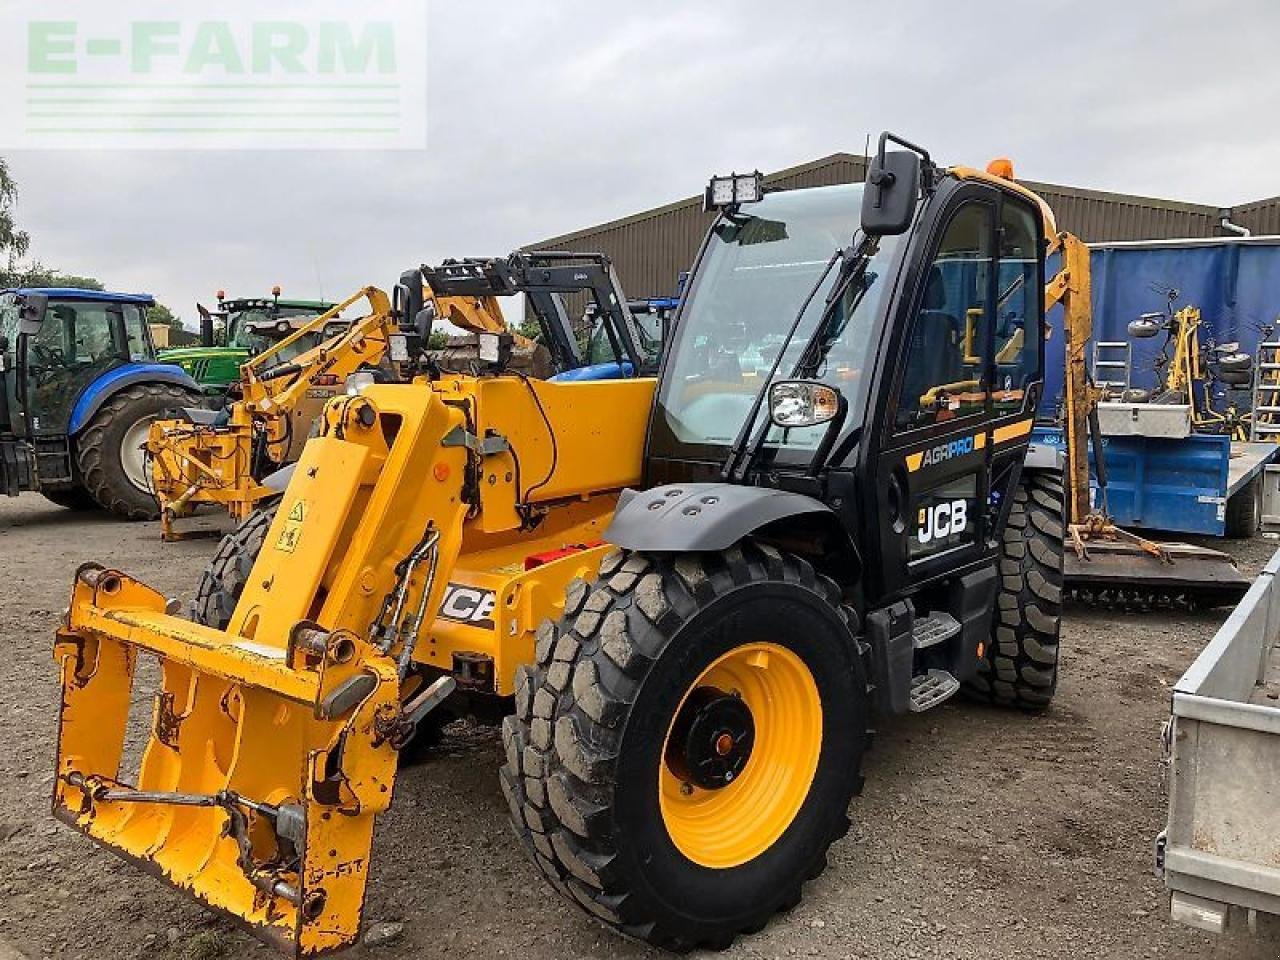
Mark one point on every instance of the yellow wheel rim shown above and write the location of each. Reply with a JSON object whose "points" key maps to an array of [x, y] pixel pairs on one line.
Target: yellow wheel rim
{"points": [[725, 826]]}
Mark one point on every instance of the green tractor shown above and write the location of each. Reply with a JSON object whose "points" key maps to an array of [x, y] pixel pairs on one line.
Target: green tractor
{"points": [[238, 329]]}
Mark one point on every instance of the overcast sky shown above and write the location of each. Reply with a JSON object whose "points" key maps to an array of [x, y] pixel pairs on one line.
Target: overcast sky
{"points": [[544, 117]]}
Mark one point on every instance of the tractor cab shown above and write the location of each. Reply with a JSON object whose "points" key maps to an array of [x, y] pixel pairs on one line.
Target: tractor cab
{"points": [[883, 374], [239, 328], [653, 319], [59, 342]]}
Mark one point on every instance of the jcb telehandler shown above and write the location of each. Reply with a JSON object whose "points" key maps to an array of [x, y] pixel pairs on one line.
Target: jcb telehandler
{"points": [[692, 591]]}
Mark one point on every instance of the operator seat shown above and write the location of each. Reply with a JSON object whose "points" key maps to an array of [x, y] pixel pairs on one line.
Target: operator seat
{"points": [[933, 354]]}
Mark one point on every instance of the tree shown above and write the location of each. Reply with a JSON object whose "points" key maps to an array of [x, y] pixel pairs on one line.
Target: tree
{"points": [[38, 275], [13, 242], [160, 314]]}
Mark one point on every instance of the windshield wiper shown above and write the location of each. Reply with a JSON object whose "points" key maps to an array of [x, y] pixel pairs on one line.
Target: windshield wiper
{"points": [[853, 266]]}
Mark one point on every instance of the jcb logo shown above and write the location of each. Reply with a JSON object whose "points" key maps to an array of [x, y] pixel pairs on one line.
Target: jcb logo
{"points": [[942, 520], [469, 605]]}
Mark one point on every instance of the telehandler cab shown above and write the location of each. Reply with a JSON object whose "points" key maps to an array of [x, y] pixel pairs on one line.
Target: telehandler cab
{"points": [[692, 591]]}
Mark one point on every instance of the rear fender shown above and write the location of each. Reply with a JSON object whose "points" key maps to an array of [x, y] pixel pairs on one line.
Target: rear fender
{"points": [[112, 382]]}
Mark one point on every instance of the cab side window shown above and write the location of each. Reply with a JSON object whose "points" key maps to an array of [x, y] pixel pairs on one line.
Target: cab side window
{"points": [[945, 355], [1019, 305]]}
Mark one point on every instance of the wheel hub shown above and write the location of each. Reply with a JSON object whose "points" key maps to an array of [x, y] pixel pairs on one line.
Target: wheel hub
{"points": [[711, 739]]}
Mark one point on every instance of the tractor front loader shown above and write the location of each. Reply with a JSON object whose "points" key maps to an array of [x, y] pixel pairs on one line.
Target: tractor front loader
{"points": [[690, 593]]}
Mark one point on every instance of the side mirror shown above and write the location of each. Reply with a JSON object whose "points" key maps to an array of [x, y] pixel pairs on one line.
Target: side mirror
{"points": [[31, 315], [892, 191], [423, 321], [410, 298]]}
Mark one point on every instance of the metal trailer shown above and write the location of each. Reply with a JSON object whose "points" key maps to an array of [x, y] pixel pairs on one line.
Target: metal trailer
{"points": [[1182, 484], [1221, 846]]}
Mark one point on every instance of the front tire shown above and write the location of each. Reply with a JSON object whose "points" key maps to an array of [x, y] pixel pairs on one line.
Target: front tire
{"points": [[685, 749], [224, 578], [109, 451], [1020, 664]]}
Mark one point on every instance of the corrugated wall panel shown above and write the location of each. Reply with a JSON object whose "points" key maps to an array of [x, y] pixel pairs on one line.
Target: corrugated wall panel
{"points": [[1261, 216], [650, 249]]}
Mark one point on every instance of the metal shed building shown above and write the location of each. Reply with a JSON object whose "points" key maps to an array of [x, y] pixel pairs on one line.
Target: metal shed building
{"points": [[650, 249]]}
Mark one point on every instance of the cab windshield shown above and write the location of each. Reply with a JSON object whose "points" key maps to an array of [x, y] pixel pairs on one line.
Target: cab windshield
{"points": [[649, 328], [238, 322], [759, 266]]}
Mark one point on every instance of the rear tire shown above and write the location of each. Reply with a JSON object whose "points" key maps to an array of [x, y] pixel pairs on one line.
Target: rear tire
{"points": [[1244, 511], [73, 498], [1020, 665], [101, 448], [588, 775]]}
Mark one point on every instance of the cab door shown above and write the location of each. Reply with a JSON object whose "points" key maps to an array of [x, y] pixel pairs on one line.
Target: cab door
{"points": [[932, 475], [77, 343]]}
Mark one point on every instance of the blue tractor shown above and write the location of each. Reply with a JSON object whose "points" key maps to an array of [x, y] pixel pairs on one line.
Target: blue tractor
{"points": [[81, 386]]}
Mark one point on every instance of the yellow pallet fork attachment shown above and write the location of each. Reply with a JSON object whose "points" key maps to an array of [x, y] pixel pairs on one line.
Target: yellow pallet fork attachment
{"points": [[425, 534]]}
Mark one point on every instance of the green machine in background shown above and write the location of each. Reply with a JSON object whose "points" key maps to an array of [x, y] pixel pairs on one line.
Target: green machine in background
{"points": [[236, 330]]}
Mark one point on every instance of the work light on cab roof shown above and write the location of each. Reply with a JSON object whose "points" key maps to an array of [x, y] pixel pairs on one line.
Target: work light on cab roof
{"points": [[732, 190]]}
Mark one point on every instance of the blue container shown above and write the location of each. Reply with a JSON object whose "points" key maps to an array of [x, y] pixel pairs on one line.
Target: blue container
{"points": [[1161, 484]]}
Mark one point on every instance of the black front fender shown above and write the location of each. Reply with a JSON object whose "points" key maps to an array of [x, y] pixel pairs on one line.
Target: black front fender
{"points": [[679, 517]]}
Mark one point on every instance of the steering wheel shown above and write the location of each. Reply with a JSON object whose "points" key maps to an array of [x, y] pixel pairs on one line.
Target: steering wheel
{"points": [[47, 359]]}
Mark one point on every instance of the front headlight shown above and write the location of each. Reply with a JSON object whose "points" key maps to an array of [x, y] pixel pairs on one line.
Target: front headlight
{"points": [[802, 403]]}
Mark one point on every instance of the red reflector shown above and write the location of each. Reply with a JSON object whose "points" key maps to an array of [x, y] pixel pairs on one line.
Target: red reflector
{"points": [[327, 380], [538, 559]]}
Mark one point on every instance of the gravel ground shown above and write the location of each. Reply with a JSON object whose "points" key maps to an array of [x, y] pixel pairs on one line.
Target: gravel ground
{"points": [[980, 834]]}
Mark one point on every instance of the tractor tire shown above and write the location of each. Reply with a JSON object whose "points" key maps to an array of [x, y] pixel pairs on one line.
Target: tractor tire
{"points": [[224, 578], [73, 498], [105, 450], [1020, 665], [1244, 511], [639, 692]]}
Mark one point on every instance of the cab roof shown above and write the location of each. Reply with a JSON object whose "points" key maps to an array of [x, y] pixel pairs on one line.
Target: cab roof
{"points": [[321, 305], [76, 293]]}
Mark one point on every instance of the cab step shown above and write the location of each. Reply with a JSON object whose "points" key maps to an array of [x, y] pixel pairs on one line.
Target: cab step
{"points": [[931, 630], [932, 688]]}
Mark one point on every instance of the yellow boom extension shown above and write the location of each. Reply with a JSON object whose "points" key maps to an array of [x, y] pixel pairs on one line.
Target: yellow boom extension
{"points": [[400, 564]]}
